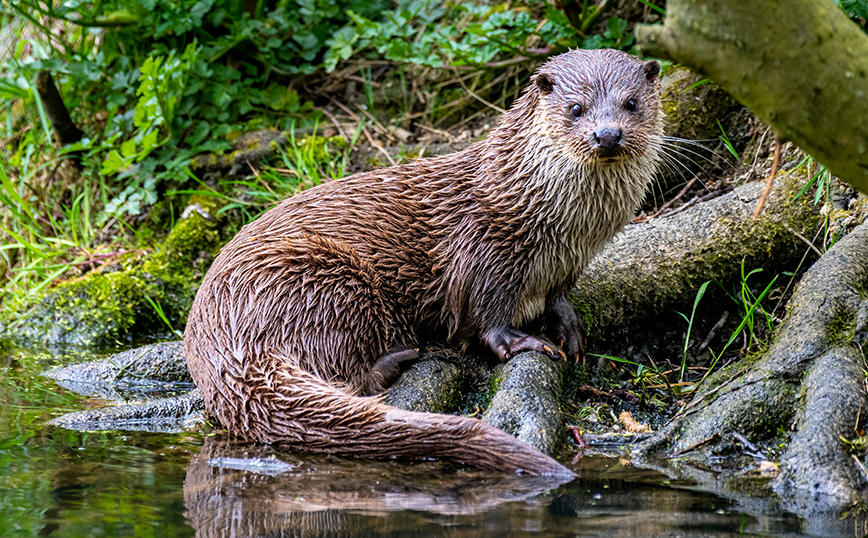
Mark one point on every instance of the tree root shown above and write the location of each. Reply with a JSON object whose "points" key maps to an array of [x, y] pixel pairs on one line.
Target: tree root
{"points": [[808, 381]]}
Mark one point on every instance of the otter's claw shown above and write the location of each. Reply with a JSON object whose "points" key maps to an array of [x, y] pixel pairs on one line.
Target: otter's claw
{"points": [[506, 342], [562, 325]]}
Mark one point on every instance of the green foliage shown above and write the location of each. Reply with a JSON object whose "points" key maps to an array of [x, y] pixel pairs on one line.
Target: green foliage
{"points": [[725, 139], [434, 34], [615, 36], [305, 163], [823, 180], [699, 295], [855, 9], [749, 303]]}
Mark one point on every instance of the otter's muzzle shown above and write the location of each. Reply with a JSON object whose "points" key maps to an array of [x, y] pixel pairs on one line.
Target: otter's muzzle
{"points": [[608, 138]]}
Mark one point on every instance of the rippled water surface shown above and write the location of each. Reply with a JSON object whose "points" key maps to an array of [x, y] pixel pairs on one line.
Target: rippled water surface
{"points": [[56, 482]]}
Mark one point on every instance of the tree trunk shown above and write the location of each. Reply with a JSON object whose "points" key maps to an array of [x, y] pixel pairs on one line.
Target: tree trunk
{"points": [[801, 65]]}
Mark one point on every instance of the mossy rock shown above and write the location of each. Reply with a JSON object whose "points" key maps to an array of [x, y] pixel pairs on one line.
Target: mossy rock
{"points": [[103, 308]]}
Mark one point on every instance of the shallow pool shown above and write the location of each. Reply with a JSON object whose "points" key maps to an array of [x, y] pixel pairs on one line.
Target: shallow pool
{"points": [[56, 482]]}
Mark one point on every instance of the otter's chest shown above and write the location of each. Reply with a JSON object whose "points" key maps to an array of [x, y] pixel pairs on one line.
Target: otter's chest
{"points": [[563, 251]]}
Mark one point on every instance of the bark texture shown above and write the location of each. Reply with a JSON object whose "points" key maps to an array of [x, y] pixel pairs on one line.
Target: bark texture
{"points": [[802, 66]]}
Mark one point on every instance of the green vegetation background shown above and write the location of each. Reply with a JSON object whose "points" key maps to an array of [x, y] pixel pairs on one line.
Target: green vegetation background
{"points": [[154, 83]]}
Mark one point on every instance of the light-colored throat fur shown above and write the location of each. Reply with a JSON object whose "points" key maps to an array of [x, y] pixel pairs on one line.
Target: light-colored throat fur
{"points": [[584, 204]]}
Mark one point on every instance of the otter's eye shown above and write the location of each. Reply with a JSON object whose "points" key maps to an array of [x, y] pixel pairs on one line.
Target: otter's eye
{"points": [[576, 110], [630, 105]]}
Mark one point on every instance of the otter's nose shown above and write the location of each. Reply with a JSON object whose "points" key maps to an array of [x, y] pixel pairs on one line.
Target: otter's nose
{"points": [[608, 137]]}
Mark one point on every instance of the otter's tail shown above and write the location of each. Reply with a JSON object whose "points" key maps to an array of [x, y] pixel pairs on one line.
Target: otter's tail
{"points": [[283, 404]]}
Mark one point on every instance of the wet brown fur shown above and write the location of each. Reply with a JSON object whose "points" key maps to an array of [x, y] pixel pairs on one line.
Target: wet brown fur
{"points": [[288, 325]]}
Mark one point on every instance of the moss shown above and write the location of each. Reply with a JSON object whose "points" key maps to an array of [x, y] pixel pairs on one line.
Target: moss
{"points": [[692, 108], [750, 241], [724, 374], [102, 308], [842, 329], [322, 148]]}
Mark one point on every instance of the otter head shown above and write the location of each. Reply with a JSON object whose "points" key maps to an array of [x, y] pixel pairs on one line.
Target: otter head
{"points": [[599, 106]]}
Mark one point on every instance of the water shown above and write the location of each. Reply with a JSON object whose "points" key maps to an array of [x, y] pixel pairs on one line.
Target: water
{"points": [[61, 483]]}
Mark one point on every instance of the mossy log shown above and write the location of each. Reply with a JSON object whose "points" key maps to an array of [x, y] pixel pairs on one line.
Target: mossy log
{"points": [[657, 266], [247, 150], [801, 66], [525, 401]]}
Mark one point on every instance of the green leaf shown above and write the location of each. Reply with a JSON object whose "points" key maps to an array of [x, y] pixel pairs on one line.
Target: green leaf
{"points": [[199, 133], [112, 163], [149, 142], [306, 39], [128, 148], [617, 26], [120, 18]]}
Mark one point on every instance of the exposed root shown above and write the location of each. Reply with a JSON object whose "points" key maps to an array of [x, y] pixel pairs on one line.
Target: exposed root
{"points": [[809, 382]]}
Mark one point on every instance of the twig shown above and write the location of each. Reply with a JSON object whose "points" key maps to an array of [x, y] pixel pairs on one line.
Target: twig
{"points": [[414, 90], [694, 446], [713, 332], [702, 398], [805, 239], [662, 374], [92, 259], [439, 132], [334, 120], [536, 54], [698, 200], [477, 97], [771, 180], [859, 463], [362, 80], [12, 137], [759, 147], [683, 191], [367, 134], [745, 442], [259, 178]]}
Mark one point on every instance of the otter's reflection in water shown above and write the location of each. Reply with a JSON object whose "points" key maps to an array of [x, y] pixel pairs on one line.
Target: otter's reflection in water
{"points": [[329, 496], [228, 493]]}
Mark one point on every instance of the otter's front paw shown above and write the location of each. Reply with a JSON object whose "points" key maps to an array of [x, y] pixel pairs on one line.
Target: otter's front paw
{"points": [[563, 326], [506, 342]]}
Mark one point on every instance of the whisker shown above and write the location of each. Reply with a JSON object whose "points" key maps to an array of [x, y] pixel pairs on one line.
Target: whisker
{"points": [[698, 154], [674, 140]]}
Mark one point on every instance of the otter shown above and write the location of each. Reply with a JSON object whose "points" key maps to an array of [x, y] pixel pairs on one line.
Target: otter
{"points": [[313, 309]]}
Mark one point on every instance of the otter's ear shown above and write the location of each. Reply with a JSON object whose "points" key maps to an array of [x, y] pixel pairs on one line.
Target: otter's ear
{"points": [[652, 70], [544, 83]]}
